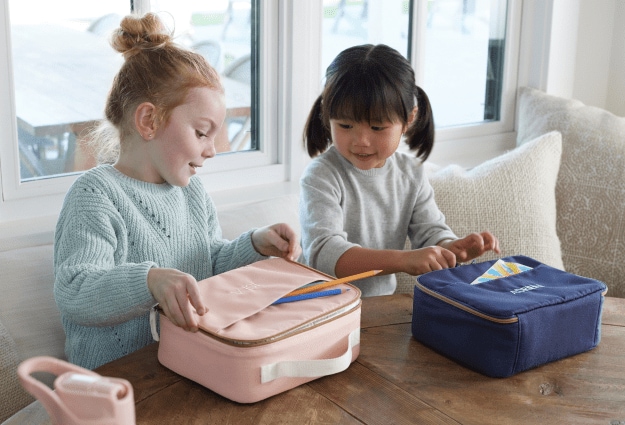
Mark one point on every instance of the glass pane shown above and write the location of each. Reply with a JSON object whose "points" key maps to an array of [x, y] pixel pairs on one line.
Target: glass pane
{"points": [[63, 67], [464, 60], [221, 30], [352, 22]]}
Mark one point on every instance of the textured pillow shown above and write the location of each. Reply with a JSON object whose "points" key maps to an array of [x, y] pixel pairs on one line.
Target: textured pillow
{"points": [[512, 196], [590, 189]]}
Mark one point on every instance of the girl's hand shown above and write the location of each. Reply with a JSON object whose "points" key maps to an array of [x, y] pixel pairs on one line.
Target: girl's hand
{"points": [[423, 260], [178, 295], [472, 246], [277, 240]]}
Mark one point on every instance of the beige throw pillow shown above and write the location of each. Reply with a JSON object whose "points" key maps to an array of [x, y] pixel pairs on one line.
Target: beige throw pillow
{"points": [[590, 190], [513, 196]]}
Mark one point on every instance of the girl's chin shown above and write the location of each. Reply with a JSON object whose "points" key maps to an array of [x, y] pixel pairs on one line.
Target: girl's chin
{"points": [[366, 163]]}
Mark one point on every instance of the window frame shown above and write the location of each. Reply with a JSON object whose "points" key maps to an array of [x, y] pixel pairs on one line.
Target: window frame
{"points": [[471, 144], [290, 81], [225, 171]]}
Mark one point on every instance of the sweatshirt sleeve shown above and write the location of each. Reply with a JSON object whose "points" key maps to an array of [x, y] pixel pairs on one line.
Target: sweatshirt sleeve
{"points": [[427, 225], [324, 239]]}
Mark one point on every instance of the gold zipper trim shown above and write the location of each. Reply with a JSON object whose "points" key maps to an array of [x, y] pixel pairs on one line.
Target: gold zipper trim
{"points": [[312, 323], [465, 308]]}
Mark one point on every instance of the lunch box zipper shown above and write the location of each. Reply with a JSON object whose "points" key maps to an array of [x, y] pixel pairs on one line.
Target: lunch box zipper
{"points": [[290, 332], [464, 307]]}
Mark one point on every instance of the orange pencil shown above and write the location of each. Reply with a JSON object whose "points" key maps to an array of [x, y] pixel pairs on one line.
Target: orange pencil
{"points": [[330, 283]]}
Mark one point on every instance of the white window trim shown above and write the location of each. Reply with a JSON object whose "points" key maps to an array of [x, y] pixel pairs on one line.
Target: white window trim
{"points": [[225, 172], [291, 82], [28, 211], [469, 145]]}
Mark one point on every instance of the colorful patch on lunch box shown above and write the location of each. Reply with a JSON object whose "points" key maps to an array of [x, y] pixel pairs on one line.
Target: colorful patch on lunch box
{"points": [[501, 269]]}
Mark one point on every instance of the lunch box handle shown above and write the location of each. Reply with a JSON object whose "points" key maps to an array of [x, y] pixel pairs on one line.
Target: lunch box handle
{"points": [[311, 368]]}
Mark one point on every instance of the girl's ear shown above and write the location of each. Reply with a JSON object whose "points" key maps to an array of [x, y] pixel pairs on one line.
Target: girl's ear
{"points": [[411, 117], [413, 114], [145, 120]]}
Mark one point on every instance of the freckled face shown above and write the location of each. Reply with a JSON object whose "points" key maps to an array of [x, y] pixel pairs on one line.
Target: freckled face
{"points": [[188, 138], [366, 145]]}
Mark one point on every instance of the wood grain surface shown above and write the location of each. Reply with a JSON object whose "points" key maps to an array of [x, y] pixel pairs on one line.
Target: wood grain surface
{"points": [[396, 380]]}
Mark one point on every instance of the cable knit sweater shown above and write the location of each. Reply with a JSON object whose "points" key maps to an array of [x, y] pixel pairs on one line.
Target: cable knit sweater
{"points": [[112, 229]]}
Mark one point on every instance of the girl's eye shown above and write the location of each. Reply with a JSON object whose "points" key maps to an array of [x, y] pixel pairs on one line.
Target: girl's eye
{"points": [[199, 134], [346, 126], [376, 128]]}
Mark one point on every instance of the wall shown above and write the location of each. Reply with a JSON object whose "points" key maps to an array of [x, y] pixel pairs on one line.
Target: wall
{"points": [[615, 101], [597, 51], [581, 46]]}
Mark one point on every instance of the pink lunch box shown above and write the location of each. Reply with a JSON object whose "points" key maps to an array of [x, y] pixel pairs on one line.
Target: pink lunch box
{"points": [[248, 349]]}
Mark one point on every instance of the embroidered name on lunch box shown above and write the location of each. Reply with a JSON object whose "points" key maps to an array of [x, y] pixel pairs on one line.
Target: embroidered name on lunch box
{"points": [[526, 288], [248, 287]]}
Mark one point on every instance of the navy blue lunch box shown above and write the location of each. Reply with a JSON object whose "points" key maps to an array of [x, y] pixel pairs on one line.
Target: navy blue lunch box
{"points": [[510, 324]]}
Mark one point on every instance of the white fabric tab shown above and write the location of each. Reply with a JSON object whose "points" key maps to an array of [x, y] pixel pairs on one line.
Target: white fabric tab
{"points": [[155, 335], [311, 368]]}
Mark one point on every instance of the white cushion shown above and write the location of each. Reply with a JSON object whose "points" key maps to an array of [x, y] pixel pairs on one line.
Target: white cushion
{"points": [[30, 323], [13, 396], [590, 190], [27, 306], [241, 218], [512, 195]]}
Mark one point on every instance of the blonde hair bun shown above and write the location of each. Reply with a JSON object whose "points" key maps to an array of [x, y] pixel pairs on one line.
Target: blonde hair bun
{"points": [[137, 33]]}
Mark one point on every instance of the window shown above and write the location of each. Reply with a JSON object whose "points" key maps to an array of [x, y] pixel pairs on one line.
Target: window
{"points": [[289, 43], [350, 23], [63, 67], [459, 52]]}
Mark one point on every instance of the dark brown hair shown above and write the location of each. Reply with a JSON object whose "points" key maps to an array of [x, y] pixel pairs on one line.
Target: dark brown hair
{"points": [[370, 83]]}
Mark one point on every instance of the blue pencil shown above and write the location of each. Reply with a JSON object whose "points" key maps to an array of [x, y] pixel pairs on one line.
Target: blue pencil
{"points": [[307, 296]]}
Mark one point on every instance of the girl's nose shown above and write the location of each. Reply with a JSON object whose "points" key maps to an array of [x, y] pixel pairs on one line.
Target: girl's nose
{"points": [[209, 148], [362, 139]]}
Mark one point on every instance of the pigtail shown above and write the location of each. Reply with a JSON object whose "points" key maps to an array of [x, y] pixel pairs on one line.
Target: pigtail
{"points": [[316, 135], [420, 134]]}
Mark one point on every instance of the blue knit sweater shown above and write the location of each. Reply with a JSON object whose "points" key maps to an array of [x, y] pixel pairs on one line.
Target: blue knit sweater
{"points": [[112, 229]]}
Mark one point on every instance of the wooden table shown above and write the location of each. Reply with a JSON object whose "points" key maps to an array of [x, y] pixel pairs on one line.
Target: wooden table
{"points": [[396, 380]]}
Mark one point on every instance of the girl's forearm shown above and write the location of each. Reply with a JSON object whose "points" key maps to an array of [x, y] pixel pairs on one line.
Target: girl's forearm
{"points": [[358, 260]]}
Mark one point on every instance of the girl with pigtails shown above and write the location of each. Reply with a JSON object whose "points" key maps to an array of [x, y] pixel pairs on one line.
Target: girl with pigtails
{"points": [[360, 198]]}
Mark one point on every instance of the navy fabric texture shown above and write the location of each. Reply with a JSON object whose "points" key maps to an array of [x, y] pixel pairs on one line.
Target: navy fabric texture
{"points": [[508, 325]]}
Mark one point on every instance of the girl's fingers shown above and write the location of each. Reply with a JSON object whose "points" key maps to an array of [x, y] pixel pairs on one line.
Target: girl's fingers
{"points": [[173, 313], [450, 258], [189, 321], [195, 298]]}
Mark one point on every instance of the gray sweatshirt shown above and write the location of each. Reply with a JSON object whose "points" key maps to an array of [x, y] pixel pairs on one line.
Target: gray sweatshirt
{"points": [[342, 207]]}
